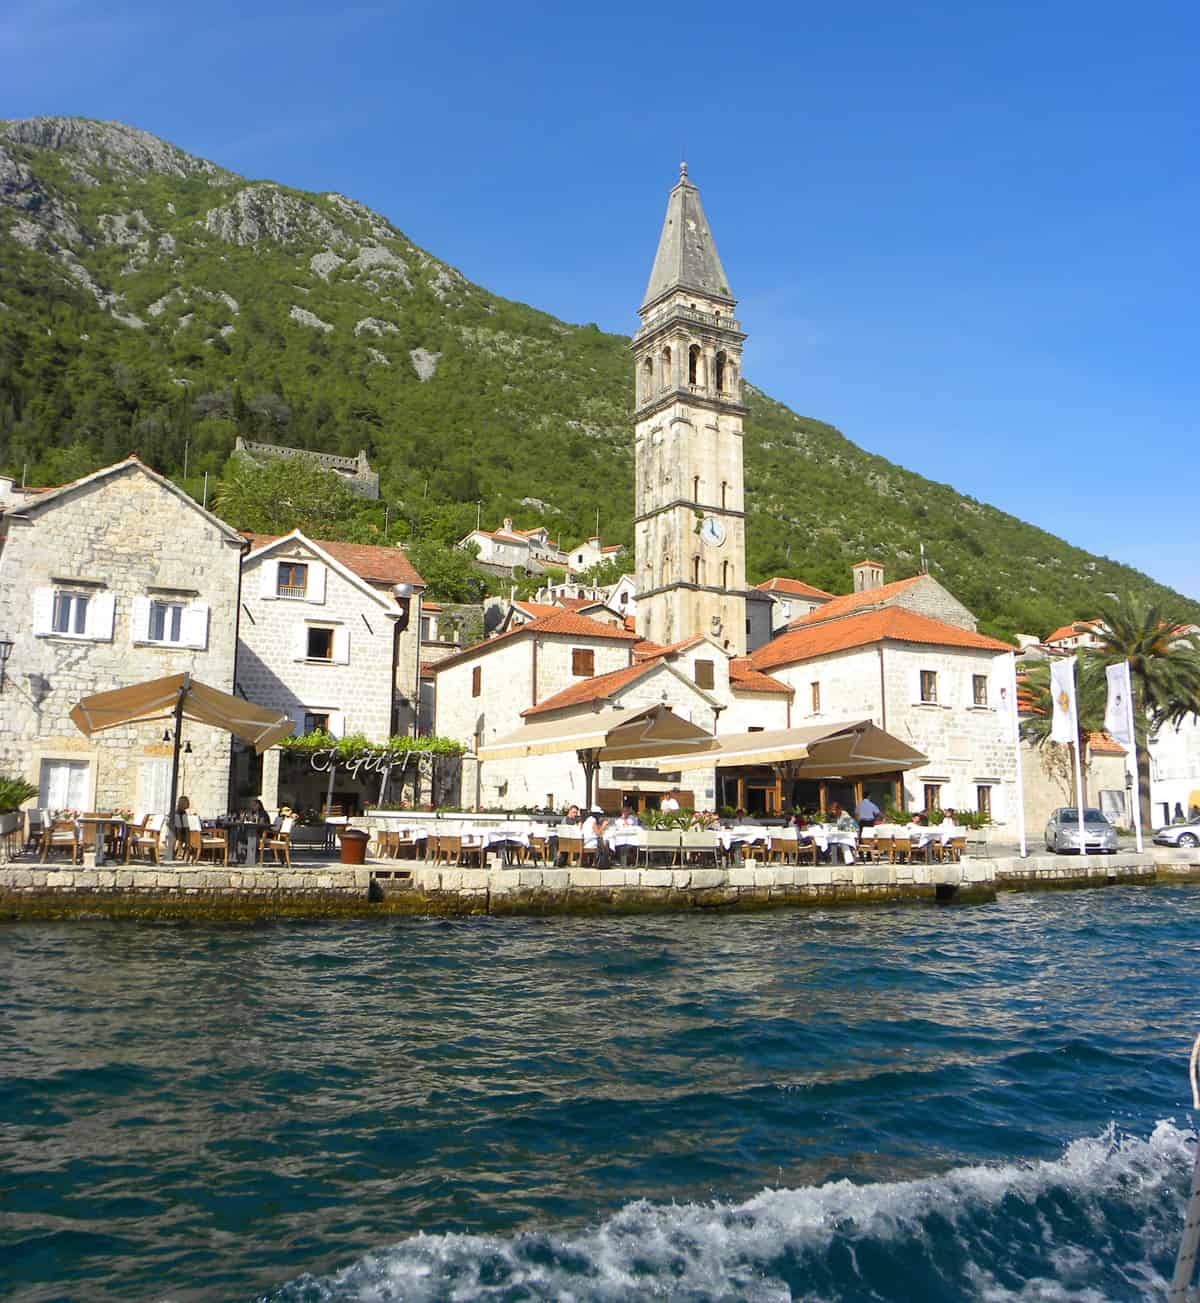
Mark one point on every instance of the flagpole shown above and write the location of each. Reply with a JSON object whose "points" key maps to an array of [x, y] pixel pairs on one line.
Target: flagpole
{"points": [[1015, 712], [1079, 789], [1137, 778]]}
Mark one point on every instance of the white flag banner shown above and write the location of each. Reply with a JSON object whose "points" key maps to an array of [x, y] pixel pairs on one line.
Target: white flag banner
{"points": [[1064, 725], [1120, 695]]}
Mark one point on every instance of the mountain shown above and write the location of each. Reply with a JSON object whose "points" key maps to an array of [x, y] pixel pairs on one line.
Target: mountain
{"points": [[155, 302]]}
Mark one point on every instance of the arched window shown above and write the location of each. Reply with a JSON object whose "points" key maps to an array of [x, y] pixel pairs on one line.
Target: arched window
{"points": [[694, 367], [724, 574], [695, 569], [720, 373], [724, 492], [667, 380], [647, 379], [695, 488]]}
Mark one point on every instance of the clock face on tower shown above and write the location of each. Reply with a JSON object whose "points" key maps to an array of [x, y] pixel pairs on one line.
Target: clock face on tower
{"points": [[712, 531]]}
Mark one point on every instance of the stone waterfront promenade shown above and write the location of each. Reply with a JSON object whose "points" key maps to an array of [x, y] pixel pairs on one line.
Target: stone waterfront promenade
{"points": [[319, 889]]}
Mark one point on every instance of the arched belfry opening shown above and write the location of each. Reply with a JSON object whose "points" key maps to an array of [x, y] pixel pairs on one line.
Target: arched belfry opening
{"points": [[695, 366], [666, 381], [719, 371]]}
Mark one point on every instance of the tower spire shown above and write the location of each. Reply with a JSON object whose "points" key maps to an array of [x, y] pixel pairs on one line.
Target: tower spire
{"points": [[687, 257]]}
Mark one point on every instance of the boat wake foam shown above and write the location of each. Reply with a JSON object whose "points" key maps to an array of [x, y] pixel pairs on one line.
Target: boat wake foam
{"points": [[1101, 1222]]}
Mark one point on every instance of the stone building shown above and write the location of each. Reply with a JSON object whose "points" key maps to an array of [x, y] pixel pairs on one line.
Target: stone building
{"points": [[515, 549], [689, 513], [939, 687], [481, 692], [355, 472], [330, 633], [117, 578]]}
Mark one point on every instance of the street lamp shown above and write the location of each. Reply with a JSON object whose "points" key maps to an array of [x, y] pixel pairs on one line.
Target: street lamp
{"points": [[6, 647]]}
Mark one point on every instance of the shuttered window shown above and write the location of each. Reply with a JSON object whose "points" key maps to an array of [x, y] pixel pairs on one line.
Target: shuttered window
{"points": [[476, 680], [705, 676], [583, 662]]}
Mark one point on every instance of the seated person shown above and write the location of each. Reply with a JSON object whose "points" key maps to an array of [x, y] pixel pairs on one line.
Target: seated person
{"points": [[841, 819]]}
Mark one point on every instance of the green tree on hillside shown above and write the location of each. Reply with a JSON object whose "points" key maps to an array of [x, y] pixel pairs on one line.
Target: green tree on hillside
{"points": [[278, 495]]}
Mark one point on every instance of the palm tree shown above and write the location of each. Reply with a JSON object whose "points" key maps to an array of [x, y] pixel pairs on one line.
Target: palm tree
{"points": [[1037, 712], [1164, 669]]}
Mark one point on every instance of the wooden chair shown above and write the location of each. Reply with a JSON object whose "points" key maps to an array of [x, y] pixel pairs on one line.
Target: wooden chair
{"points": [[806, 852], [571, 847], [213, 842], [279, 842], [146, 842], [901, 850], [537, 851], [955, 849], [62, 835]]}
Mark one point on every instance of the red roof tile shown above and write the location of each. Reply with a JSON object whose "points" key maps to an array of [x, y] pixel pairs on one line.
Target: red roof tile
{"points": [[652, 650], [1101, 744], [566, 623], [890, 623], [595, 689], [848, 603], [1072, 630], [378, 565], [792, 587], [744, 679]]}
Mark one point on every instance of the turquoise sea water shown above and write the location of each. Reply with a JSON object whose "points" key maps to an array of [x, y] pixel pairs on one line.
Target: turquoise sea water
{"points": [[985, 1102]]}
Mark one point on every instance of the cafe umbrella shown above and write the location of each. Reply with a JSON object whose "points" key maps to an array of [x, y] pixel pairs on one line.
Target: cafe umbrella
{"points": [[178, 697]]}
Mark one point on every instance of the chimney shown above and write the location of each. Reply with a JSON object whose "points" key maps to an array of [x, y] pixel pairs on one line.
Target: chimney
{"points": [[508, 524], [867, 575]]}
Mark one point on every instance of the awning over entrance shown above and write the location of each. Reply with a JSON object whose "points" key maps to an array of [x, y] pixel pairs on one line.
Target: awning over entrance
{"points": [[607, 735], [616, 735], [835, 750], [179, 695]]}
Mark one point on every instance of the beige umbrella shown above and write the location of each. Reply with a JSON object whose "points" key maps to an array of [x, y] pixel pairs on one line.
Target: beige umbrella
{"points": [[178, 697], [835, 750], [603, 735]]}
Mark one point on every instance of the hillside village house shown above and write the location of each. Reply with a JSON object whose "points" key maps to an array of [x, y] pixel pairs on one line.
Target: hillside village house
{"points": [[591, 552], [117, 578], [528, 549], [330, 632]]}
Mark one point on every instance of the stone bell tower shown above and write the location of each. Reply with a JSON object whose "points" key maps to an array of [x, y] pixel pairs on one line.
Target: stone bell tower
{"points": [[689, 521]]}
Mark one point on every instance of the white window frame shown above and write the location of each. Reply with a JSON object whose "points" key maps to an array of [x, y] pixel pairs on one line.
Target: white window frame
{"points": [[76, 604], [98, 607], [170, 616]]}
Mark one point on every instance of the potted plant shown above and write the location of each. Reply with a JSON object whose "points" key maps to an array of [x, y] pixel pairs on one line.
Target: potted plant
{"points": [[14, 792]]}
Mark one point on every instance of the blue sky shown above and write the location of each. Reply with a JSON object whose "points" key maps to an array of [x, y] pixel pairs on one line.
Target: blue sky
{"points": [[966, 234]]}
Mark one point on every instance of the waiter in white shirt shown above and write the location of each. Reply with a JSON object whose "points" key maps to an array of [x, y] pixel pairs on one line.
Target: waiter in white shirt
{"points": [[669, 804]]}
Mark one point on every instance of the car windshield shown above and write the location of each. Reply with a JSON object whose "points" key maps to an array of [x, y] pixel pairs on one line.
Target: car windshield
{"points": [[1071, 815]]}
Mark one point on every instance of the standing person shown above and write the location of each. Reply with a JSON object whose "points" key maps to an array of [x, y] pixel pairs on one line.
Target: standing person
{"points": [[866, 812], [669, 804], [593, 837], [628, 819]]}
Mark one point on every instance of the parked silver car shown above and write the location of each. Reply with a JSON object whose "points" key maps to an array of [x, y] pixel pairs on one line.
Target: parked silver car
{"points": [[1180, 834], [1062, 831]]}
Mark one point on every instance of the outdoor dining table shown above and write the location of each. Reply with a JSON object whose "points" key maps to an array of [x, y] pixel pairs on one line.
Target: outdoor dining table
{"points": [[100, 823]]}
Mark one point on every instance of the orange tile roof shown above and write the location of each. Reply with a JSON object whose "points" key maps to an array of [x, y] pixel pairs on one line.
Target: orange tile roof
{"points": [[793, 587], [562, 622], [1072, 630], [536, 609], [630, 623], [614, 547], [595, 689], [1102, 745], [574, 603], [744, 679], [866, 561], [889, 623], [848, 603], [378, 565], [652, 650]]}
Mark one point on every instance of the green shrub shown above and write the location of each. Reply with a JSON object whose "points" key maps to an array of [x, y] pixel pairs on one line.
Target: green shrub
{"points": [[14, 792]]}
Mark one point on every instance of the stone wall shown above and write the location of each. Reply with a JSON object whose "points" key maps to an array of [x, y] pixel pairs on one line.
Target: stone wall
{"points": [[122, 536]]}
